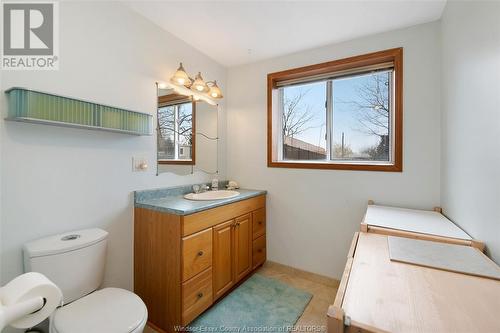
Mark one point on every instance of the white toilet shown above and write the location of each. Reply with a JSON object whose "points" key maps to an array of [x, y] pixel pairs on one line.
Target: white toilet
{"points": [[75, 263]]}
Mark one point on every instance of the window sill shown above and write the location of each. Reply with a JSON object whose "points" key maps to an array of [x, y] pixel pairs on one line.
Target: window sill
{"points": [[176, 162], [336, 166]]}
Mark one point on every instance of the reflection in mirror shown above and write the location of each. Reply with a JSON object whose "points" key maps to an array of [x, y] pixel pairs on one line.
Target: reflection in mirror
{"points": [[187, 134], [206, 137], [176, 116]]}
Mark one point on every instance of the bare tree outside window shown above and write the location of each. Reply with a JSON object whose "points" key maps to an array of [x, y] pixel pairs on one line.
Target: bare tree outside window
{"points": [[175, 122], [297, 116], [373, 113], [303, 122]]}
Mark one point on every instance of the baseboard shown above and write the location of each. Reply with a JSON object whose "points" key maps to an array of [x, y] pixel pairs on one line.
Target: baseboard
{"points": [[318, 278]]}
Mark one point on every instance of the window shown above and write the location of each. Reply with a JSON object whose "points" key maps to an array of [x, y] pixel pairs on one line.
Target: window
{"points": [[175, 131], [344, 114]]}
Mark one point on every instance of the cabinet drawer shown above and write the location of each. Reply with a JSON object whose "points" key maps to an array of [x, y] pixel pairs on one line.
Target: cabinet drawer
{"points": [[196, 253], [259, 223], [259, 251], [208, 218], [196, 296]]}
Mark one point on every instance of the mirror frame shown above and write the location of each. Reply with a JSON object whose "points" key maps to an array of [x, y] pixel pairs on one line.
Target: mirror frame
{"points": [[170, 98]]}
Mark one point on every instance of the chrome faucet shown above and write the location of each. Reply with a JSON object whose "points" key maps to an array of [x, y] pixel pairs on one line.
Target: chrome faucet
{"points": [[200, 188]]}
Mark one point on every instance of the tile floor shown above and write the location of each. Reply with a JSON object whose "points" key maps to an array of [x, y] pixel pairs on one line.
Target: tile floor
{"points": [[323, 290]]}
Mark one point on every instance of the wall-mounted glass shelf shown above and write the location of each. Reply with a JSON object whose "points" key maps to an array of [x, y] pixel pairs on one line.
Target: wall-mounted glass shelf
{"points": [[32, 106]]}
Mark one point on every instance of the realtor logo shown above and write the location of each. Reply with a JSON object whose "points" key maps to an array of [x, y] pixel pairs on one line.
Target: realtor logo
{"points": [[30, 36]]}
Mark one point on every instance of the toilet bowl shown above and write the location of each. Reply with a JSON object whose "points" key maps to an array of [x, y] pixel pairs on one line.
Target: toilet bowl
{"points": [[75, 262]]}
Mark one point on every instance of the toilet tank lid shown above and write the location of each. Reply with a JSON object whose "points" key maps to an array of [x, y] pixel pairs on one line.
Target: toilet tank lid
{"points": [[65, 242]]}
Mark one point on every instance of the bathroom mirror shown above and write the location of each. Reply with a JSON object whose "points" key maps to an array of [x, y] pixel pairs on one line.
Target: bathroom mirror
{"points": [[187, 134]]}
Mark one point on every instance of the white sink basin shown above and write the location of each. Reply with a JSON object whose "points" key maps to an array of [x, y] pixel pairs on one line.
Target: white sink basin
{"points": [[211, 195]]}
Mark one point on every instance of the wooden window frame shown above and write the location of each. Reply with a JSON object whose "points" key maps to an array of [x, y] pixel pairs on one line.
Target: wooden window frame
{"points": [[392, 55], [192, 161]]}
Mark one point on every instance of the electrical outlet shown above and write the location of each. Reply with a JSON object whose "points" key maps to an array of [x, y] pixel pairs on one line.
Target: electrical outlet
{"points": [[139, 164]]}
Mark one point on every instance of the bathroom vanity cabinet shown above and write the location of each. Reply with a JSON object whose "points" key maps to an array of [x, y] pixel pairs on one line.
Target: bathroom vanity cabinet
{"points": [[184, 263]]}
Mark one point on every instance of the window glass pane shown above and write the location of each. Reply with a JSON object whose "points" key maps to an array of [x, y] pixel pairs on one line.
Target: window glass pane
{"points": [[175, 131], [166, 145], [361, 117], [185, 128], [304, 122]]}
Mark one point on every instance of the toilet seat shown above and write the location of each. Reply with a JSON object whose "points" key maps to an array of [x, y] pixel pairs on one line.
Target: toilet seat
{"points": [[109, 310]]}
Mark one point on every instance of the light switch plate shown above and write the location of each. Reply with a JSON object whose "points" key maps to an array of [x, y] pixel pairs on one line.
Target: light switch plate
{"points": [[139, 164]]}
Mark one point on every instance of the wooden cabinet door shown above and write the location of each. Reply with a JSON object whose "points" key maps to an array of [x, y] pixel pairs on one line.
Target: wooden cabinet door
{"points": [[223, 256], [242, 246]]}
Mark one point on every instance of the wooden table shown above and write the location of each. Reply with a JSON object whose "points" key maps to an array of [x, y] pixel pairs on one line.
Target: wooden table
{"points": [[377, 295]]}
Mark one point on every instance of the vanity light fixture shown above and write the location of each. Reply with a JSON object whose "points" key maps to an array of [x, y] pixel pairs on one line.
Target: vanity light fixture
{"points": [[210, 88]]}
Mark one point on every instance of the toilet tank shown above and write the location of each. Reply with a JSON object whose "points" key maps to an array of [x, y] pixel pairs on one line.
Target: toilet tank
{"points": [[74, 261]]}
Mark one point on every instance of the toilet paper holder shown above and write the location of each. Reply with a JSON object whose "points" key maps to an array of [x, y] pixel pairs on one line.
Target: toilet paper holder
{"points": [[27, 300], [12, 313]]}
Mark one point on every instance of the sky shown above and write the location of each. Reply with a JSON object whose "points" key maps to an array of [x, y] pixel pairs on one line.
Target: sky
{"points": [[344, 114]]}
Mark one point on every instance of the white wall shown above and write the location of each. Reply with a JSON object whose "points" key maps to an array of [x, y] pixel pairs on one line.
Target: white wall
{"points": [[59, 179], [470, 163], [312, 214]]}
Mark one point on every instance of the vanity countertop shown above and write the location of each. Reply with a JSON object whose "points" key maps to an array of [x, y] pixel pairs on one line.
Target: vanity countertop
{"points": [[171, 200]]}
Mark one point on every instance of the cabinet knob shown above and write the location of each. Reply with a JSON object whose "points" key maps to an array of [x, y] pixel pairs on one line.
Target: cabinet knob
{"points": [[200, 295], [237, 224], [259, 250], [260, 222], [200, 253]]}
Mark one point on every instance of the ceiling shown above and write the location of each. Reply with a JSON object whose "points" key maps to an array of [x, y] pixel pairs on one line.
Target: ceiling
{"points": [[238, 32]]}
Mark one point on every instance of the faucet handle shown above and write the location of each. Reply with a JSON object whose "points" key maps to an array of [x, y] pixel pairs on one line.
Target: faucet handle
{"points": [[196, 188]]}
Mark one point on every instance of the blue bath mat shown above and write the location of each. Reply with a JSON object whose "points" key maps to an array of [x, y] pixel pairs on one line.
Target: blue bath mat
{"points": [[260, 304]]}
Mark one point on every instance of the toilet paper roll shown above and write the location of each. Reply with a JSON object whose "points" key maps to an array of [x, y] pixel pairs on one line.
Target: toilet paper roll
{"points": [[25, 289]]}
